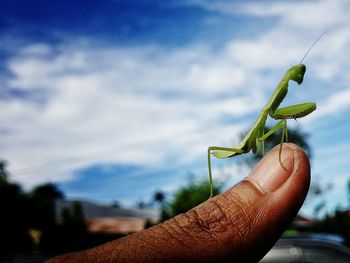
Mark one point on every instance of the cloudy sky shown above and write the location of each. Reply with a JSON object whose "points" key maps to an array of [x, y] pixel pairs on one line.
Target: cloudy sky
{"points": [[113, 100]]}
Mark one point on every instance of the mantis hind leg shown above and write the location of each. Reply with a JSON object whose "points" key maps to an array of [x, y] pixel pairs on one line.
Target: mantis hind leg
{"points": [[262, 143], [219, 152], [280, 125]]}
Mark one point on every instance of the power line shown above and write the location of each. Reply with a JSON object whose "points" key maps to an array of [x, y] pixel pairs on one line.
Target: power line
{"points": [[90, 156]]}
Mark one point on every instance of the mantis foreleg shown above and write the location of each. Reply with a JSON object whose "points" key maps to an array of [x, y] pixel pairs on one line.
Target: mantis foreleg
{"points": [[294, 111]]}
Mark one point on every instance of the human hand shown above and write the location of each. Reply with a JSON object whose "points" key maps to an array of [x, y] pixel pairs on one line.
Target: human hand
{"points": [[239, 225]]}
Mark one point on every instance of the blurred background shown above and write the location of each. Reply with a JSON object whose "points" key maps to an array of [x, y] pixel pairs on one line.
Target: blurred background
{"points": [[108, 107]]}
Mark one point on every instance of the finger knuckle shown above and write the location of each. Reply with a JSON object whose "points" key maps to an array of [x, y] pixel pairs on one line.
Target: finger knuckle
{"points": [[219, 220]]}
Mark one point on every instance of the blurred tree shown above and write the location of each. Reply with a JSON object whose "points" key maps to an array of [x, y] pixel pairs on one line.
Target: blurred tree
{"points": [[3, 171], [348, 192], [69, 235], [43, 216], [148, 224], [43, 198], [141, 205], [317, 193], [339, 223], [188, 197], [22, 213], [15, 209], [116, 204], [159, 197], [73, 220]]}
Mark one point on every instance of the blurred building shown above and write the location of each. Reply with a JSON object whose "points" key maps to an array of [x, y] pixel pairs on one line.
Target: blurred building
{"points": [[111, 220]]}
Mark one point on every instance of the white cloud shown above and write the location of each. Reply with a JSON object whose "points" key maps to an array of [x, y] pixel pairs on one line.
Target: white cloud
{"points": [[286, 40], [334, 104], [305, 14], [101, 99], [112, 104]]}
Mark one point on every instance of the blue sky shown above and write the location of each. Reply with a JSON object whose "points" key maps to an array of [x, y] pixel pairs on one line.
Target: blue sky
{"points": [[113, 100]]}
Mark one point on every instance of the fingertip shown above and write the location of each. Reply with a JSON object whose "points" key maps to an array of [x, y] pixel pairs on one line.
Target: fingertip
{"points": [[274, 169], [297, 185]]}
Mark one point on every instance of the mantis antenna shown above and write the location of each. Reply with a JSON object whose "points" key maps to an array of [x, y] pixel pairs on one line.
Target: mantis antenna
{"points": [[312, 46]]}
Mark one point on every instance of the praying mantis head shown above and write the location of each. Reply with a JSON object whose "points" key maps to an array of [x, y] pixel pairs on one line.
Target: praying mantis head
{"points": [[297, 73]]}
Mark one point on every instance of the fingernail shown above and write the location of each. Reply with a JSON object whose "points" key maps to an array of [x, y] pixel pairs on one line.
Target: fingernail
{"points": [[269, 174]]}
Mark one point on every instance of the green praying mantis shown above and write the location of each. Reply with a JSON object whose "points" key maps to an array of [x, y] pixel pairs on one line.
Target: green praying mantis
{"points": [[256, 134]]}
